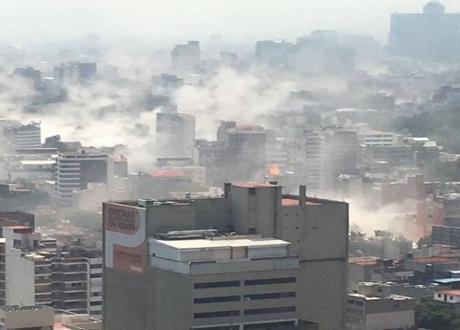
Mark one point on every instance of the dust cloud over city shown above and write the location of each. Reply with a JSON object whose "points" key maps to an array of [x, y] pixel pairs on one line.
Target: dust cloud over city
{"points": [[208, 165]]}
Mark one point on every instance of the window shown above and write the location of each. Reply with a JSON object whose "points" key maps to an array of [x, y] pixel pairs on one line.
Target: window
{"points": [[95, 303], [274, 325], [208, 285], [271, 281], [230, 327], [215, 299], [278, 295], [258, 311], [215, 314]]}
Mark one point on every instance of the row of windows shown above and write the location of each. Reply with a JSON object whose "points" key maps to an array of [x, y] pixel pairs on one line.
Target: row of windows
{"points": [[259, 326], [226, 284], [230, 327], [260, 296], [354, 302], [215, 314], [216, 299], [258, 311]]}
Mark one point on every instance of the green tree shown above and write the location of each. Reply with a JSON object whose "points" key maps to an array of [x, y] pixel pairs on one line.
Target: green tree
{"points": [[436, 316]]}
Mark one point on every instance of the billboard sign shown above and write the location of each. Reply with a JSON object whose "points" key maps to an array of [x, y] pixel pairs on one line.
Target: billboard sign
{"points": [[124, 238]]}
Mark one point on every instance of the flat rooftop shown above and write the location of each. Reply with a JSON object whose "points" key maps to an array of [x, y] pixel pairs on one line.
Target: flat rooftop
{"points": [[455, 293], [390, 297], [223, 242]]}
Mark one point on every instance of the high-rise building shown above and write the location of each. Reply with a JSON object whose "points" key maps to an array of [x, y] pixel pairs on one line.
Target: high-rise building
{"points": [[75, 170], [433, 34], [186, 57], [175, 134], [329, 153], [30, 73], [154, 279], [87, 71]]}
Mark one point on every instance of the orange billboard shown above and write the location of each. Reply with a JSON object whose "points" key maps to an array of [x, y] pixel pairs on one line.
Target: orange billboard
{"points": [[124, 238]]}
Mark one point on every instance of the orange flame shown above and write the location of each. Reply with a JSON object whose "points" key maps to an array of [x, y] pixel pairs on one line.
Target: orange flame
{"points": [[275, 170]]}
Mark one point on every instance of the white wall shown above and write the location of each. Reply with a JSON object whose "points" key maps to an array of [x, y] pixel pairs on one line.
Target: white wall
{"points": [[20, 279]]}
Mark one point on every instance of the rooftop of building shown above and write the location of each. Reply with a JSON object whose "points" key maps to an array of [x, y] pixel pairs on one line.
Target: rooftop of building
{"points": [[217, 242], [16, 308], [287, 200], [446, 280], [434, 260], [363, 261], [38, 162], [389, 297], [455, 293], [168, 174]]}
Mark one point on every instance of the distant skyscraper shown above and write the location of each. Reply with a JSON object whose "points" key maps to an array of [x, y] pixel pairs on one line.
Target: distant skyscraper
{"points": [[175, 134], [186, 57], [328, 154], [433, 34], [87, 71], [30, 73]]}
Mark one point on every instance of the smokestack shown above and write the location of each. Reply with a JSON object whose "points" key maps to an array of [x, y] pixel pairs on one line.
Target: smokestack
{"points": [[227, 189], [302, 194]]}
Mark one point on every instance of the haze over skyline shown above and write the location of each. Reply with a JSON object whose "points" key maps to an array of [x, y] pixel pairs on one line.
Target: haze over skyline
{"points": [[35, 20]]}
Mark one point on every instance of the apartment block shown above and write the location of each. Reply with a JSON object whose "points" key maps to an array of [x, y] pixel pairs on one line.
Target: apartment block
{"points": [[77, 281], [23, 136], [75, 170], [25, 271], [375, 308], [307, 242]]}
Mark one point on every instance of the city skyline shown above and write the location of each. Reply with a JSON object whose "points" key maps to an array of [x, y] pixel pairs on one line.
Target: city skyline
{"points": [[158, 20]]}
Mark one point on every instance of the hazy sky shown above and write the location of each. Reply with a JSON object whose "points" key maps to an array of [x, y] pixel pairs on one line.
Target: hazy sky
{"points": [[34, 20]]}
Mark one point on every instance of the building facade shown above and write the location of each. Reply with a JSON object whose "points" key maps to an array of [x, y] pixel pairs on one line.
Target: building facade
{"points": [[131, 277]]}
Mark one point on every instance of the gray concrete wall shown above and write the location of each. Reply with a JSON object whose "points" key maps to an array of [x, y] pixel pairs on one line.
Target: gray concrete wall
{"points": [[124, 301]]}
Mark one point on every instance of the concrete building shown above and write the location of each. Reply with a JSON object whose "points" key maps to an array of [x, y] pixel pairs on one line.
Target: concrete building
{"points": [[186, 57], [329, 153], [87, 71], [75, 170], [25, 271], [77, 281], [375, 308], [432, 35], [26, 317], [132, 274], [175, 134], [233, 282], [239, 154], [370, 137], [23, 136], [34, 75]]}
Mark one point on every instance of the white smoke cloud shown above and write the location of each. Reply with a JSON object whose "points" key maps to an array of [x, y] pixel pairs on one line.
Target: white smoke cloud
{"points": [[230, 95]]}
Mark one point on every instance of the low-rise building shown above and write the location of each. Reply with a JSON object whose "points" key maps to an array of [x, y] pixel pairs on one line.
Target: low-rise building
{"points": [[375, 308]]}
